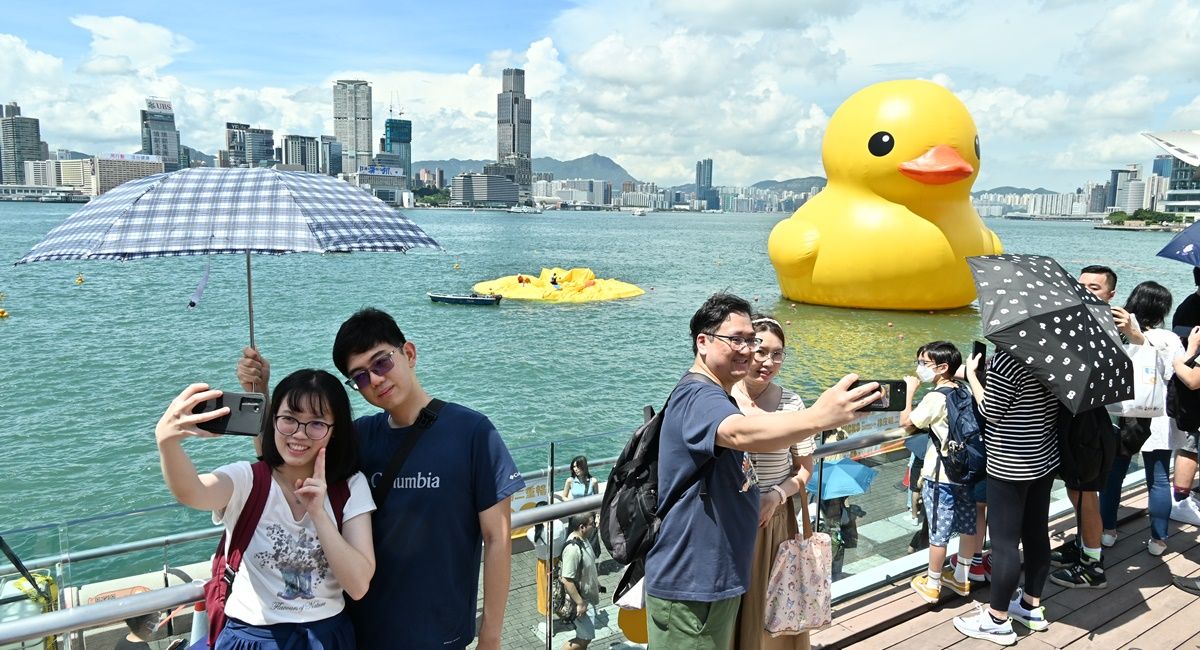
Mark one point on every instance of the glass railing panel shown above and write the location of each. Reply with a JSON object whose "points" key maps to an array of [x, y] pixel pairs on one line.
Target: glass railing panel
{"points": [[865, 505]]}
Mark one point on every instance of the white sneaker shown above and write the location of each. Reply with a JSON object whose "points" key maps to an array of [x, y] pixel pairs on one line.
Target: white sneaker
{"points": [[1034, 619], [1186, 511], [979, 625], [1108, 538], [1156, 547]]}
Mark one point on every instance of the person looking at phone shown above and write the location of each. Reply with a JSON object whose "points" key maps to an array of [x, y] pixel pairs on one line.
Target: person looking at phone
{"points": [[1021, 443], [290, 584], [699, 565], [447, 508], [949, 506], [1081, 558], [781, 475]]}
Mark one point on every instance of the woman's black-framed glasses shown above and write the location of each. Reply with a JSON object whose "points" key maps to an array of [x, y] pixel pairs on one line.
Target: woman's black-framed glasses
{"points": [[313, 429], [379, 367], [738, 343]]}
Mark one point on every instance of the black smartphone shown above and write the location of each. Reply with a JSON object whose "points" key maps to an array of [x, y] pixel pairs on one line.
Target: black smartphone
{"points": [[893, 394], [980, 348], [246, 413]]}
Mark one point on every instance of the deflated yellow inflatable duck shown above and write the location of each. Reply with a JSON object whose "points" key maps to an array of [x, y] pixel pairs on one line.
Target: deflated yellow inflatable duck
{"points": [[894, 225], [559, 285]]}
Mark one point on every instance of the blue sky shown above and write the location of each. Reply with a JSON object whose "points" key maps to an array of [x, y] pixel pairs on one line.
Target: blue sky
{"points": [[1059, 89]]}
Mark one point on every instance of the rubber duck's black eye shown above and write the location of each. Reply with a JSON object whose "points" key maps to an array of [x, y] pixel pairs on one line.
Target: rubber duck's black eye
{"points": [[977, 148], [881, 144]]}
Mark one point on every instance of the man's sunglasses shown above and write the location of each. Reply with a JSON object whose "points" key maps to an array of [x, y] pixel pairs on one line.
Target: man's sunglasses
{"points": [[380, 366]]}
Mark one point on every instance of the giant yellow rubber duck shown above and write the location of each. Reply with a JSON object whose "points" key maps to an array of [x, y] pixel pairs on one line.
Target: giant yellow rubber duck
{"points": [[893, 227]]}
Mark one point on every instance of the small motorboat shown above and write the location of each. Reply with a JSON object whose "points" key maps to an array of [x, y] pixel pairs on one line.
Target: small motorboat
{"points": [[466, 299]]}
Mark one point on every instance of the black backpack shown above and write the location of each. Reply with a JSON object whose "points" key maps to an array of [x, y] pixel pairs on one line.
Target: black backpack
{"points": [[1183, 403], [629, 514], [965, 461], [1085, 439]]}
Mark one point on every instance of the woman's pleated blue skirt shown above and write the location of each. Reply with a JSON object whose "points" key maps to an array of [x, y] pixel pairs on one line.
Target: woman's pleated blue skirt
{"points": [[333, 633]]}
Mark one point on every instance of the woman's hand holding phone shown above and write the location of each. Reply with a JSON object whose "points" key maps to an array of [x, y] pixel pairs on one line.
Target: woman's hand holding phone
{"points": [[179, 422]]}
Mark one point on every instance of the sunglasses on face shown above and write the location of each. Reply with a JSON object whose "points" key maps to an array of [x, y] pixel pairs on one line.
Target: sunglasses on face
{"points": [[379, 367]]}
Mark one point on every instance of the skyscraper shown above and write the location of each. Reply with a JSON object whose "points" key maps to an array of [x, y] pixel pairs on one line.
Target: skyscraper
{"points": [[397, 140], [159, 136], [514, 120], [704, 188], [331, 155], [260, 146], [20, 140], [302, 150], [235, 143], [352, 122]]}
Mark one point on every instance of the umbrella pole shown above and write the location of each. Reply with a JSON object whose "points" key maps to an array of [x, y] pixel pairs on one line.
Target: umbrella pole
{"points": [[250, 298]]}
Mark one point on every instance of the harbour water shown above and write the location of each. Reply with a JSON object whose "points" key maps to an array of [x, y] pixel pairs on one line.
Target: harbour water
{"points": [[86, 369]]}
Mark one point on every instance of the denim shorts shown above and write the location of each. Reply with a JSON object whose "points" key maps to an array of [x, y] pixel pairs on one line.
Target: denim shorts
{"points": [[955, 511]]}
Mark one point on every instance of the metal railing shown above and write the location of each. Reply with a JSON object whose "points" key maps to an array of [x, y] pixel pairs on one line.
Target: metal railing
{"points": [[119, 609]]}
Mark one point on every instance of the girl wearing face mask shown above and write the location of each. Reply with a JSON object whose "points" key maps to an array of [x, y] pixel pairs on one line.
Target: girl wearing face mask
{"points": [[949, 506]]}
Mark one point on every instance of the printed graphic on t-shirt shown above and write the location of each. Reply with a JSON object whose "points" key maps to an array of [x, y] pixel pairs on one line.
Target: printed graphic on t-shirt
{"points": [[299, 560]]}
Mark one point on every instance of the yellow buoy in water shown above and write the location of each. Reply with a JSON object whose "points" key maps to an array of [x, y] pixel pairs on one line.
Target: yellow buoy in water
{"points": [[79, 279], [3, 313]]}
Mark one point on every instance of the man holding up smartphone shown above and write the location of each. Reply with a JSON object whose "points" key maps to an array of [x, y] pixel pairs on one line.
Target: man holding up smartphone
{"points": [[1082, 560], [699, 566]]}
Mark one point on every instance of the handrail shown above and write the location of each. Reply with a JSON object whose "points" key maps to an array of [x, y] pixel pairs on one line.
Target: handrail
{"points": [[852, 443], [119, 609], [100, 613], [118, 549]]}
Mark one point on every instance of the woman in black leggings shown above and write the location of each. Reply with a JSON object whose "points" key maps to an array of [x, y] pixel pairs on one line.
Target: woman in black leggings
{"points": [[1022, 457]]}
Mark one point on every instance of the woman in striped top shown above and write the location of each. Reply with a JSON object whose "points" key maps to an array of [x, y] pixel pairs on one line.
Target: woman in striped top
{"points": [[781, 474], [1021, 440]]}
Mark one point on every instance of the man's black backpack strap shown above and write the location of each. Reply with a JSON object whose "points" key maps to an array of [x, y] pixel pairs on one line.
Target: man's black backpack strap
{"points": [[425, 419]]}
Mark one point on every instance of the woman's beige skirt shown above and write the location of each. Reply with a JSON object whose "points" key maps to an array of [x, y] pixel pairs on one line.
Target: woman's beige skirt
{"points": [[750, 634]]}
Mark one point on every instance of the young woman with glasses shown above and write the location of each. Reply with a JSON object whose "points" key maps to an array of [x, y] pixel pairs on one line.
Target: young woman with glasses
{"points": [[780, 475], [288, 591]]}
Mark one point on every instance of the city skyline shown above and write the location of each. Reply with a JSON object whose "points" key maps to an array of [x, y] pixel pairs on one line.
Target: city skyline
{"points": [[1059, 89]]}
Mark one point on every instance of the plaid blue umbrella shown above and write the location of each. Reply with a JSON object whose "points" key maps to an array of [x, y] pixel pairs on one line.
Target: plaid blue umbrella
{"points": [[1184, 247], [215, 210]]}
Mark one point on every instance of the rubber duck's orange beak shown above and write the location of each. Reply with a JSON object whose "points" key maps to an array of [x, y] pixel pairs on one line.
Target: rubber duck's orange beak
{"points": [[938, 166]]}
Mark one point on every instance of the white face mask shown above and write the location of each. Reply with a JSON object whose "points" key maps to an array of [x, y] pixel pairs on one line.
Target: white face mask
{"points": [[925, 373]]}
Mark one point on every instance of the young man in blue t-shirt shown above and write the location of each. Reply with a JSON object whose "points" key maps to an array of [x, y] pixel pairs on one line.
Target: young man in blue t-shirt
{"points": [[448, 506], [700, 563]]}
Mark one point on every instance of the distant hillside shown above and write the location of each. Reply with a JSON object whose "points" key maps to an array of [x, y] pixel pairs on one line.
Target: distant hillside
{"points": [[805, 184], [591, 166], [1008, 189], [197, 155]]}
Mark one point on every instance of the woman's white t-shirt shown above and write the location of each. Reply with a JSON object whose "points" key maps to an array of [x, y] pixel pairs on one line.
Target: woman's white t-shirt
{"points": [[284, 576]]}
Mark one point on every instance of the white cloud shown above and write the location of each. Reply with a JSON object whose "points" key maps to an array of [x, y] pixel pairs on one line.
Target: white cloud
{"points": [[1112, 150], [1187, 117], [1055, 86], [142, 47], [1141, 35]]}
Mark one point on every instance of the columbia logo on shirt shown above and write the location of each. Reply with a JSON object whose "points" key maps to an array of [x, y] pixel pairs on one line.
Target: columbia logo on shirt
{"points": [[420, 481]]}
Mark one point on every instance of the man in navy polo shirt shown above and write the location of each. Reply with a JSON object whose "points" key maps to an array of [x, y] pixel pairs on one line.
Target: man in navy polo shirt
{"points": [[448, 506], [700, 563]]}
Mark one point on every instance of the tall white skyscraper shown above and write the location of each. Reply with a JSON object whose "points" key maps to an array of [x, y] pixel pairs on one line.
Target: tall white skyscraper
{"points": [[352, 122]]}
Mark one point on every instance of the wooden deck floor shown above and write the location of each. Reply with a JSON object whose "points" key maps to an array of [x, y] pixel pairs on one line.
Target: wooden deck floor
{"points": [[1139, 608]]}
